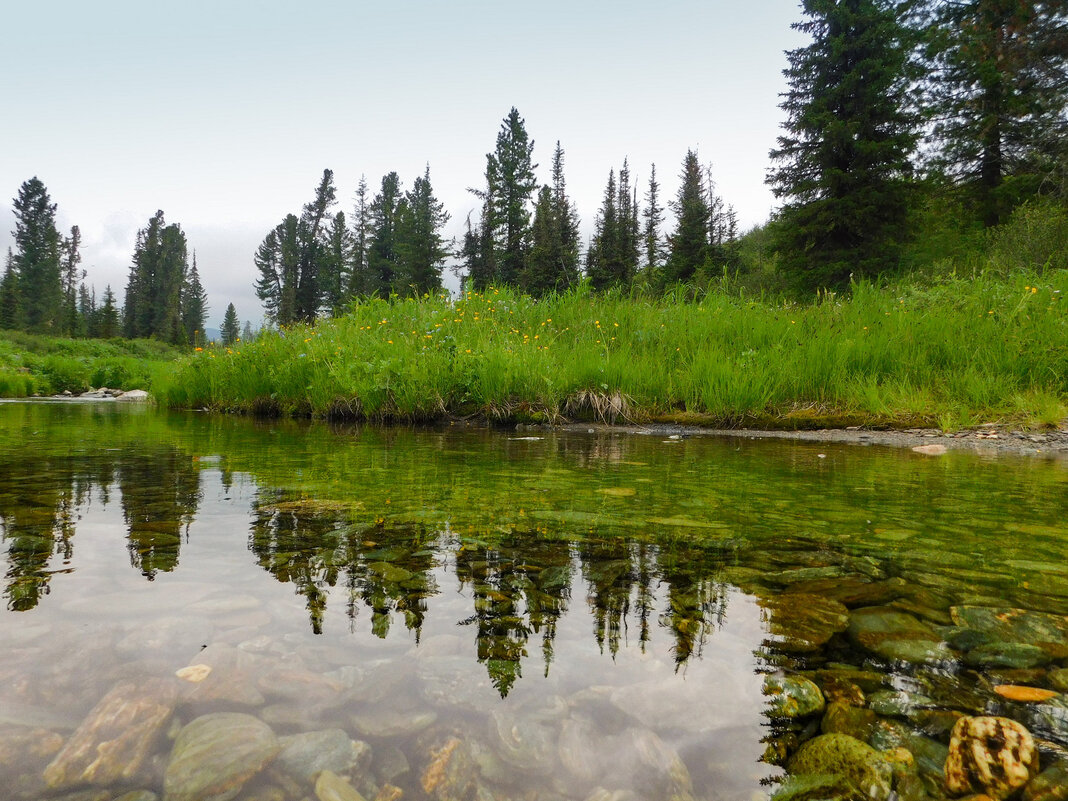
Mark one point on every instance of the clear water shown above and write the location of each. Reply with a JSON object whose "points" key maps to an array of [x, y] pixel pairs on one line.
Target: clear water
{"points": [[589, 616]]}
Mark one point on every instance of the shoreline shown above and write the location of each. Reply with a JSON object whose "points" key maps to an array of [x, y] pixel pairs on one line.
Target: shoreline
{"points": [[985, 440]]}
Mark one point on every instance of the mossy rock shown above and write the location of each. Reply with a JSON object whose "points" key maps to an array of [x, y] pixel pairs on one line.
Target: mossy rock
{"points": [[792, 696], [846, 758]]}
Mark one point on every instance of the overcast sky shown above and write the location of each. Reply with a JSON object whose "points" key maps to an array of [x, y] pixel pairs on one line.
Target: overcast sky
{"points": [[224, 114]]}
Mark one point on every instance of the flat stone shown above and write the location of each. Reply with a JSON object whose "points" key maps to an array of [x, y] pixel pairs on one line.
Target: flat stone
{"points": [[112, 742], [134, 396], [214, 755], [1015, 655]]}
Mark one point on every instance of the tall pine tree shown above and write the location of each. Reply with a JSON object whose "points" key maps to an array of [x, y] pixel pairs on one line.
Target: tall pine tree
{"points": [[359, 280], [194, 306], [689, 241], [510, 187], [9, 294], [553, 262], [653, 215], [382, 248], [843, 161], [153, 305], [421, 249], [997, 91], [37, 259], [71, 276], [231, 326]]}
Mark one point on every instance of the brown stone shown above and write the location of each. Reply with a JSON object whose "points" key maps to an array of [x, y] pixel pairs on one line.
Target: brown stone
{"points": [[996, 756], [116, 735]]}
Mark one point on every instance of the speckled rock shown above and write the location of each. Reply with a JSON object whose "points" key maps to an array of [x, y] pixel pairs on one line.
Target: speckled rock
{"points": [[897, 703], [996, 756], [215, 755], [112, 742], [845, 757], [792, 696]]}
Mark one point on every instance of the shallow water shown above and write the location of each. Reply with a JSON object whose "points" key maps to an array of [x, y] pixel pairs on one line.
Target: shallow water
{"points": [[506, 615]]}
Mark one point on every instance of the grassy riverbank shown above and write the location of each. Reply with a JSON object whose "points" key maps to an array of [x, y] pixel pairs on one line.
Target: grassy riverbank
{"points": [[32, 364], [951, 353]]}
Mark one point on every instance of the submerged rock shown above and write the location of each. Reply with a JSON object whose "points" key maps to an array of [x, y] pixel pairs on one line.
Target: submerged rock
{"points": [[792, 696], [115, 737], [855, 721], [304, 756], [802, 623], [996, 756], [215, 755], [897, 636], [1049, 785], [451, 774], [331, 787], [845, 758]]}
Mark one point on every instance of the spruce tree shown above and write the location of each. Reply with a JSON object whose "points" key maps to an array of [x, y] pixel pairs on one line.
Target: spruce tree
{"points": [[289, 260], [382, 248], [246, 332], [553, 262], [843, 161], [9, 294], [653, 215], [336, 265], [86, 312], [37, 259], [421, 249], [231, 326], [153, 305], [477, 256], [997, 90], [604, 259], [108, 316], [510, 187], [194, 306], [689, 242], [359, 281], [71, 276]]}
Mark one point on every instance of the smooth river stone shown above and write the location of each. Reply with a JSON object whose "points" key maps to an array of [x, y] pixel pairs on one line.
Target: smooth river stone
{"points": [[802, 623], [331, 787], [215, 755], [116, 735], [792, 696], [845, 757], [1049, 785], [1016, 655], [897, 636], [304, 756], [232, 678]]}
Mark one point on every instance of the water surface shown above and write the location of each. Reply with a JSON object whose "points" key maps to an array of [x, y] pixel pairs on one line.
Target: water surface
{"points": [[552, 616]]}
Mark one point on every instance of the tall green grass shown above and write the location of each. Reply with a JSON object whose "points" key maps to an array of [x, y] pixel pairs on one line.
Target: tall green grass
{"points": [[952, 352], [34, 364]]}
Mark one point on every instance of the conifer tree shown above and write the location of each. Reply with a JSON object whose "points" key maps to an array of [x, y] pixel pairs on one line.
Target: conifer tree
{"points": [[86, 312], [231, 326], [194, 306], [604, 260], [108, 317], [336, 265], [71, 276], [9, 294], [289, 260], [421, 249], [382, 248], [359, 280], [553, 263], [477, 253], [153, 305], [689, 242], [653, 215], [843, 161], [510, 187], [996, 75], [37, 259], [246, 332]]}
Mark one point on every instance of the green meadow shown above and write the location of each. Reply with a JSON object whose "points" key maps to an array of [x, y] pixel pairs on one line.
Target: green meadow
{"points": [[950, 352]]}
